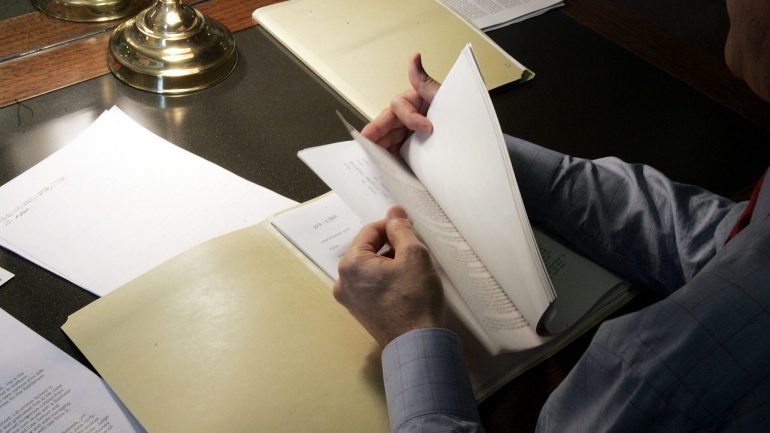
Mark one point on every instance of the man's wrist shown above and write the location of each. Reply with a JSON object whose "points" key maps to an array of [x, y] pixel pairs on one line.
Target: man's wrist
{"points": [[424, 372], [419, 330]]}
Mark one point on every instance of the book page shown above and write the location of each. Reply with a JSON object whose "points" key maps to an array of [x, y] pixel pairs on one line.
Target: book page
{"points": [[493, 14], [580, 283], [345, 167], [498, 315], [42, 389], [465, 165], [347, 170], [503, 325]]}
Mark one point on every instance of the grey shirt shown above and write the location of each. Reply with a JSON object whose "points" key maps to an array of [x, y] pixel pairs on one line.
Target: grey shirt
{"points": [[699, 360]]}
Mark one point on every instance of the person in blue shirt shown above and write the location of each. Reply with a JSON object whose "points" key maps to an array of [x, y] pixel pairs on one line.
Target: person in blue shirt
{"points": [[698, 360]]}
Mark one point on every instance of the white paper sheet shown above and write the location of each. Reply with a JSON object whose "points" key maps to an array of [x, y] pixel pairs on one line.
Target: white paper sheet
{"points": [[4, 276], [493, 14], [44, 390], [322, 229], [346, 168], [119, 200], [465, 165]]}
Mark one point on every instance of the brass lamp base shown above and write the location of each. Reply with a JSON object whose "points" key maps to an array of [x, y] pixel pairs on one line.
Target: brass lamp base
{"points": [[90, 10], [171, 48]]}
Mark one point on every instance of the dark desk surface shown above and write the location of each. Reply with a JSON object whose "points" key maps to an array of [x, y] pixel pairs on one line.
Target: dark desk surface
{"points": [[590, 98]]}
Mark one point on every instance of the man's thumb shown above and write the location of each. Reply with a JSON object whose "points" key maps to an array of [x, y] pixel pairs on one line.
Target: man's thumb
{"points": [[401, 234], [422, 82]]}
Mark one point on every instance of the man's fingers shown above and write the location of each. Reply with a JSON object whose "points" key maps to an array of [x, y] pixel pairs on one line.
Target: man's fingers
{"points": [[381, 125], [406, 108], [393, 140], [365, 246], [340, 295], [373, 131], [402, 236], [422, 82], [370, 239], [406, 111], [395, 212]]}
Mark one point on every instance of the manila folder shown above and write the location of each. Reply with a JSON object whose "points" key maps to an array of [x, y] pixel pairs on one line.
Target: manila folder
{"points": [[238, 334], [361, 48]]}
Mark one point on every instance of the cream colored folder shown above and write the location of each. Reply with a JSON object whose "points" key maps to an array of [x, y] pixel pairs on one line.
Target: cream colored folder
{"points": [[361, 48], [238, 335]]}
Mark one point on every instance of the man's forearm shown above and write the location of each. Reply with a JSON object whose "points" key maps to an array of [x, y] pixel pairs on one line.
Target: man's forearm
{"points": [[629, 217]]}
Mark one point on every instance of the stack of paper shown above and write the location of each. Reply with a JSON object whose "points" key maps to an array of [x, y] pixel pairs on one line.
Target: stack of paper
{"points": [[119, 200], [493, 14]]}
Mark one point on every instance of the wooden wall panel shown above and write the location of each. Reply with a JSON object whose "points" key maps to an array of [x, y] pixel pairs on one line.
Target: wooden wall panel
{"points": [[685, 61]]}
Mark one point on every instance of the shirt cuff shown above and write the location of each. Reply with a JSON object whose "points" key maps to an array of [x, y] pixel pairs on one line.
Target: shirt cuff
{"points": [[424, 373]]}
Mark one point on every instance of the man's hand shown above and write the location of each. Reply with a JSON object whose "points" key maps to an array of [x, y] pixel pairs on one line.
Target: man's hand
{"points": [[395, 293], [406, 112]]}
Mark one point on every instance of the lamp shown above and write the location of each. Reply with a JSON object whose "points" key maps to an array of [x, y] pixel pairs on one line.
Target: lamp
{"points": [[90, 10], [171, 48]]}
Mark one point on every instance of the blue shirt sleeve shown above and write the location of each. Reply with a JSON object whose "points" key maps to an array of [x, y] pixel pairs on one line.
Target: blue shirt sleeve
{"points": [[695, 361], [426, 384], [628, 217]]}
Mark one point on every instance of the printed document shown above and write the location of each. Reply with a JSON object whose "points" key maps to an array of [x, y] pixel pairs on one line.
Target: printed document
{"points": [[493, 14], [118, 201], [345, 167], [322, 229], [44, 390]]}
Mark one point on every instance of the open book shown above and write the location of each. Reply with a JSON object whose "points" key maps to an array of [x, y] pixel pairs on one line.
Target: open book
{"points": [[459, 189]]}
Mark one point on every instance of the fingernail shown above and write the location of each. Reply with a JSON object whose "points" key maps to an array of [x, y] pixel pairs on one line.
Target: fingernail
{"points": [[396, 212]]}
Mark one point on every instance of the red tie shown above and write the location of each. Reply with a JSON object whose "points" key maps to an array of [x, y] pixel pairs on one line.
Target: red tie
{"points": [[745, 217]]}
